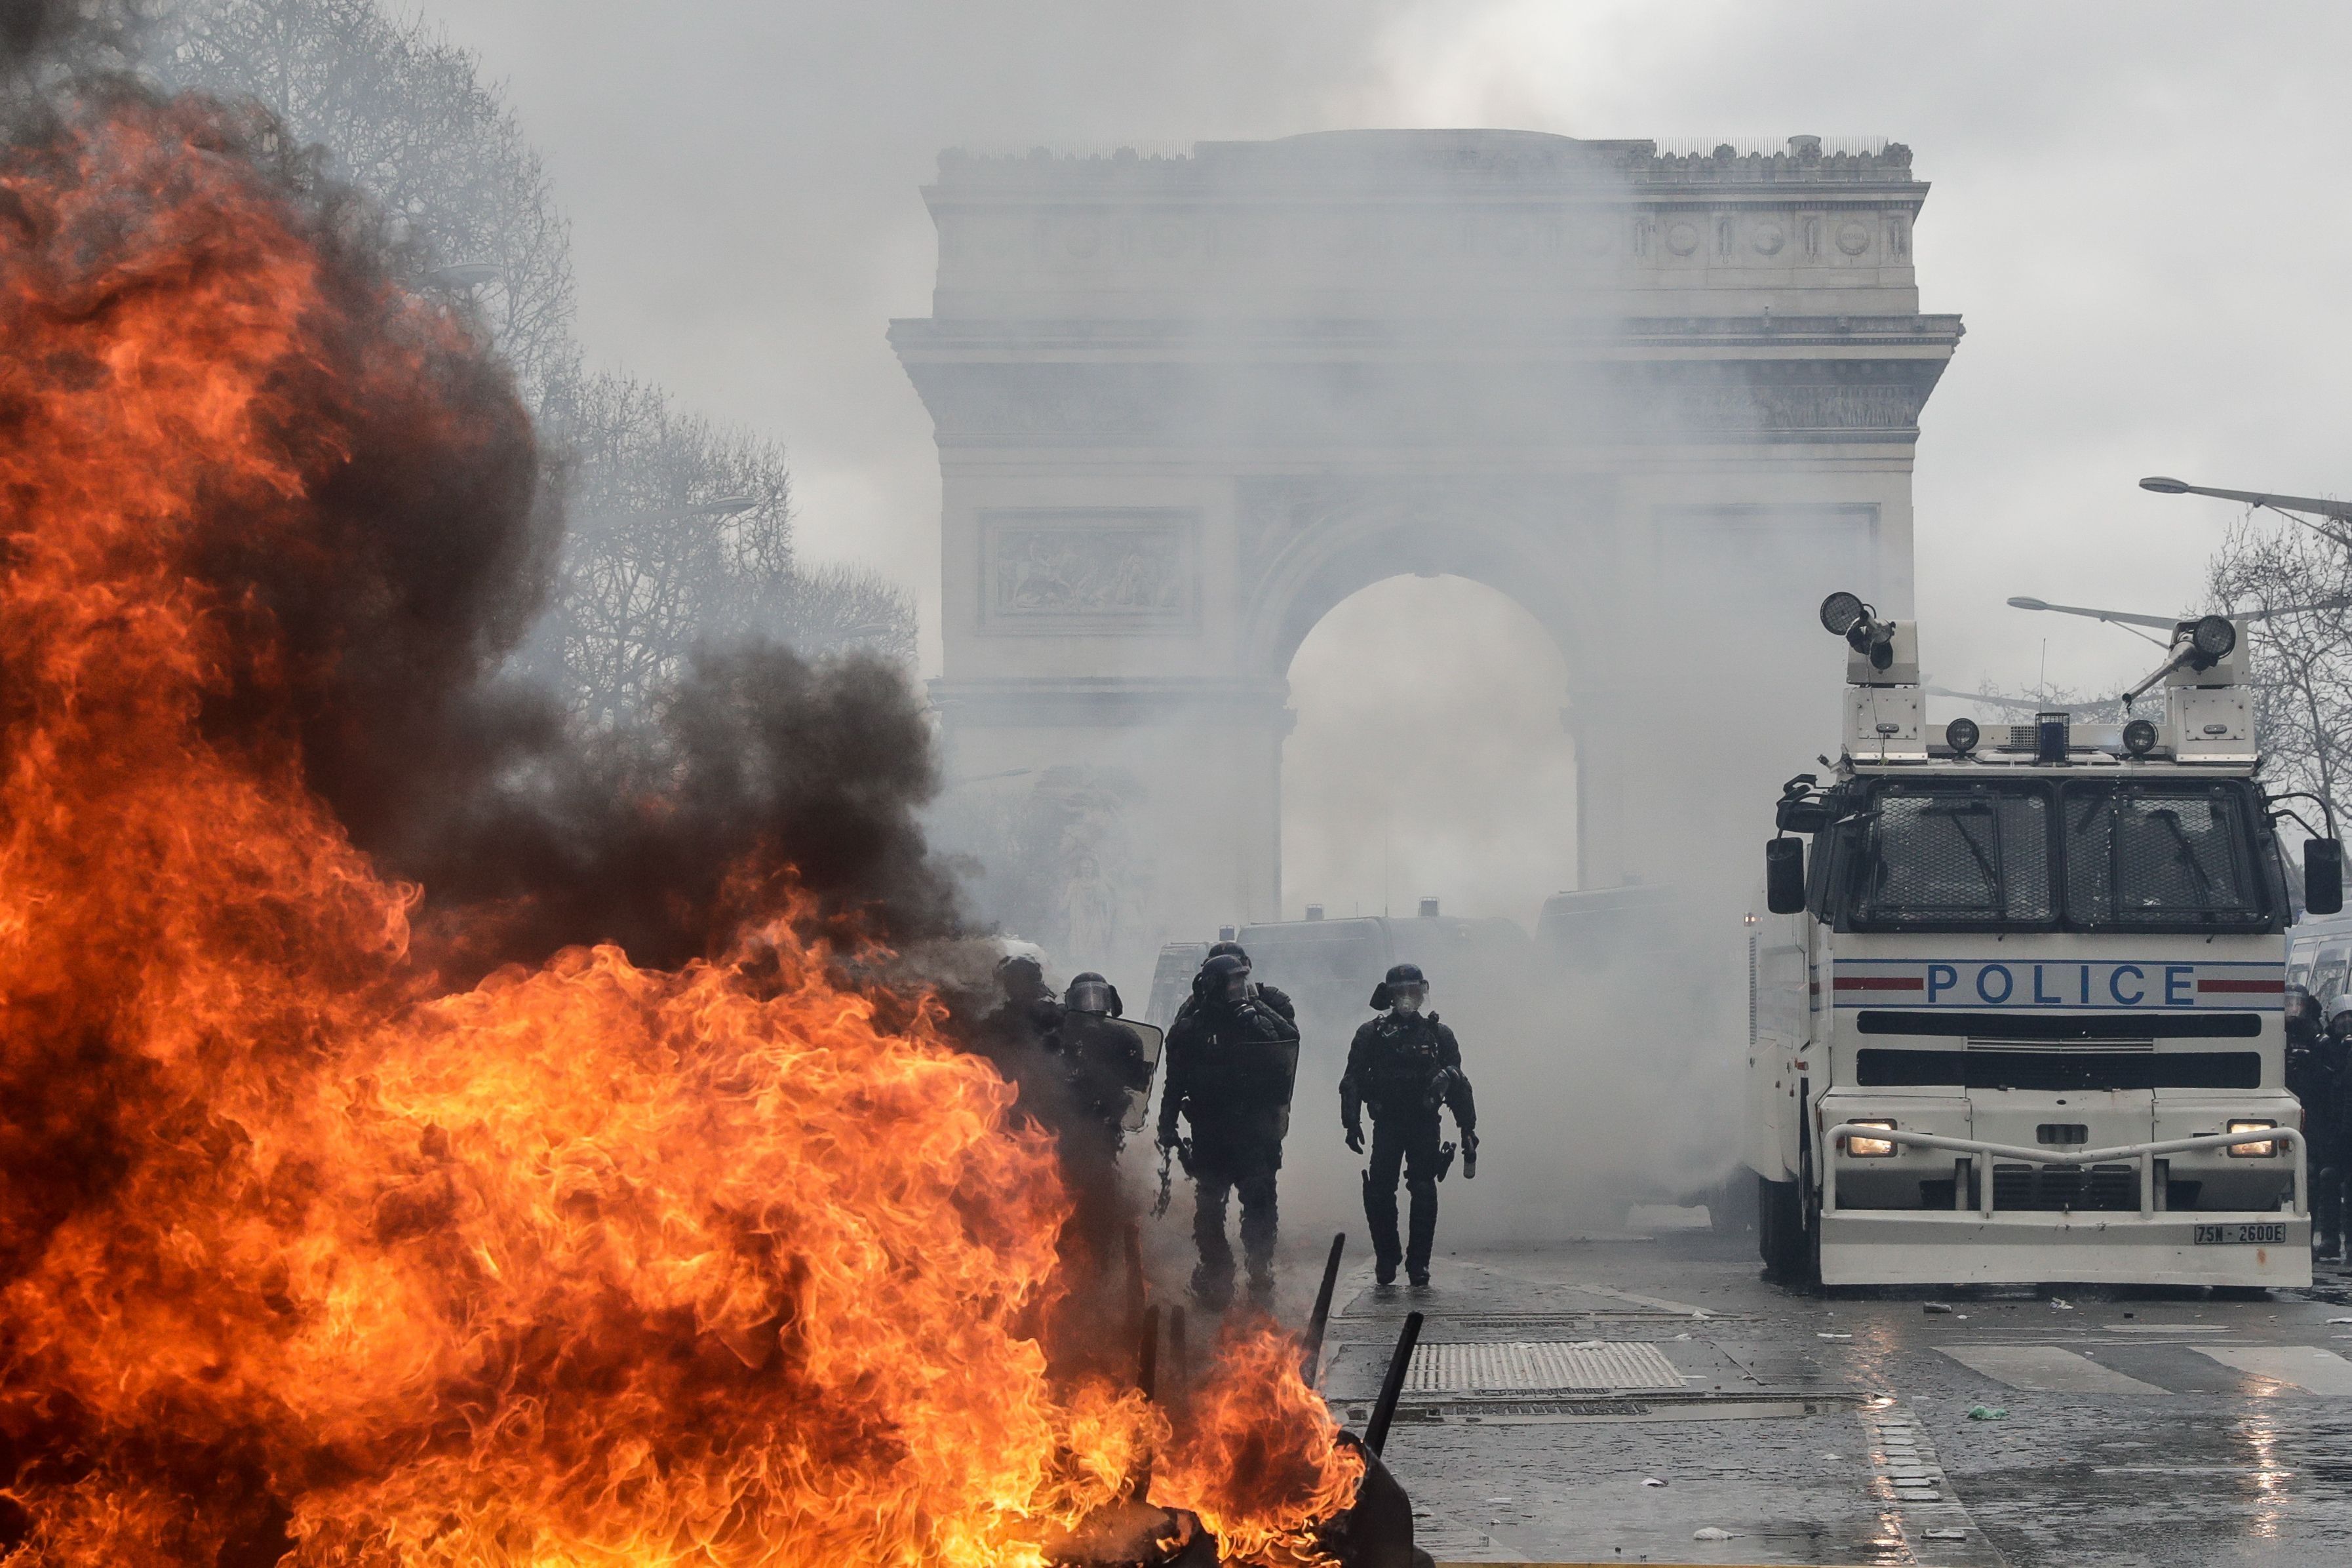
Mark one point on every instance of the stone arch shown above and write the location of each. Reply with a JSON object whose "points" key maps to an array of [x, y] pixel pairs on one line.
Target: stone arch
{"points": [[1352, 545], [1478, 353]]}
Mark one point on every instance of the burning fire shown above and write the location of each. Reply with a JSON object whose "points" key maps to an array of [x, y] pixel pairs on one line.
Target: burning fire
{"points": [[590, 1264]]}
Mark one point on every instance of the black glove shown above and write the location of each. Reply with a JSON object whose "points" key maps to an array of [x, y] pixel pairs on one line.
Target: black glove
{"points": [[1469, 1156], [1355, 1137]]}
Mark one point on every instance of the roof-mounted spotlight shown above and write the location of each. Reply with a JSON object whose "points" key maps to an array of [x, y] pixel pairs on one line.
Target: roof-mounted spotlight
{"points": [[2139, 737], [1962, 735], [1845, 615], [2214, 639]]}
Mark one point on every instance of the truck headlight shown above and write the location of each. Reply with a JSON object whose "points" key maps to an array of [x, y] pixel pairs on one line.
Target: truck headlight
{"points": [[2252, 1151], [1877, 1148]]}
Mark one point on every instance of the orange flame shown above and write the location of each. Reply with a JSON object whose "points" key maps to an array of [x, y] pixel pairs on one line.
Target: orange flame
{"points": [[586, 1265], [1260, 1460]]}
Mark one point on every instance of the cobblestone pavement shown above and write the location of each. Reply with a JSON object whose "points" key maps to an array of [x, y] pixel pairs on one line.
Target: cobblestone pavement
{"points": [[1608, 1401]]}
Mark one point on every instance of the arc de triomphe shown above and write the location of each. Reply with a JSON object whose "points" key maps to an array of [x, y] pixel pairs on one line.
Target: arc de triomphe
{"points": [[1186, 405]]}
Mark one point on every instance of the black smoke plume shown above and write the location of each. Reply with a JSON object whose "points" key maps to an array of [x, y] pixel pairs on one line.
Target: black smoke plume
{"points": [[427, 554]]}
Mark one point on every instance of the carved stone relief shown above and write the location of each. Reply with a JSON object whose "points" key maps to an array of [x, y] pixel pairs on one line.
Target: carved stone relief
{"points": [[1089, 570]]}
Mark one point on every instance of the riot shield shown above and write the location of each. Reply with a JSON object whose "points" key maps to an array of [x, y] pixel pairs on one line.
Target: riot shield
{"points": [[1148, 1042], [1282, 1068]]}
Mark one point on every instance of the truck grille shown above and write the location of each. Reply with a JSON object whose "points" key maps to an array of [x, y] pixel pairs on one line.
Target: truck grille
{"points": [[1882, 1066], [2049, 1188]]}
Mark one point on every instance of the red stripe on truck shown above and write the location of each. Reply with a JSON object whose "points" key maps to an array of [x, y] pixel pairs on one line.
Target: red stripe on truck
{"points": [[2273, 987], [1881, 982]]}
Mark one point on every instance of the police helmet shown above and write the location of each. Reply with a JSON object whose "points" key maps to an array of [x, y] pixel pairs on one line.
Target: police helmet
{"points": [[1090, 993], [1399, 975], [2339, 1015], [1022, 976], [1224, 978], [1234, 948]]}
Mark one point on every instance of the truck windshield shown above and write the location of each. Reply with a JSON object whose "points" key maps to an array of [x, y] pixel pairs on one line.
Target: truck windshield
{"points": [[1963, 854], [2037, 856], [2144, 856]]}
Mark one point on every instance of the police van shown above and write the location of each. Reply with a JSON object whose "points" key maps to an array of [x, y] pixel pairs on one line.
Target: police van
{"points": [[2319, 956], [2016, 1010]]}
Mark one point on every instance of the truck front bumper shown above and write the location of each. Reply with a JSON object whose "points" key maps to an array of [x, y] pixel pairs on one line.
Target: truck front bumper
{"points": [[1931, 1247], [1977, 1245]]}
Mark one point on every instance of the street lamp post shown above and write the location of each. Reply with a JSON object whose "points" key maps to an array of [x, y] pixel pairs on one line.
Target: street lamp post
{"points": [[2334, 510]]}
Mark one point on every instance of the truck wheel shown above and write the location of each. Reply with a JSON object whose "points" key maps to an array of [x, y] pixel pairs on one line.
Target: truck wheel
{"points": [[1780, 1234]]}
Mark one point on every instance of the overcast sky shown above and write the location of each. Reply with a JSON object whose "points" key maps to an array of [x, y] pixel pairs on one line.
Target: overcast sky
{"points": [[2138, 209]]}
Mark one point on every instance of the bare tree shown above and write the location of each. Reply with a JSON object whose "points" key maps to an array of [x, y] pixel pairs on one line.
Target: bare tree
{"points": [[676, 532], [2300, 663], [835, 609], [682, 537], [680, 534], [403, 113]]}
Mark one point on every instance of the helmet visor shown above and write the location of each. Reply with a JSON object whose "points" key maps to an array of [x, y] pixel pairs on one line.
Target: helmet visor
{"points": [[1237, 985], [1407, 996], [1088, 996]]}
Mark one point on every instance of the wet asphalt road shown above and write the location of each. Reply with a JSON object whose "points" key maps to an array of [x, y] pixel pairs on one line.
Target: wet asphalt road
{"points": [[1557, 1384]]}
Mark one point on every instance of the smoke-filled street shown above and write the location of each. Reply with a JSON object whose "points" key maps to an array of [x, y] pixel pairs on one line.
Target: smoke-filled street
{"points": [[1032, 784]]}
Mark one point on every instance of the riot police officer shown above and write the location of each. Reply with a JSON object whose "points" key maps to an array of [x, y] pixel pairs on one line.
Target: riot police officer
{"points": [[1231, 1061], [2327, 1109], [1102, 1061], [1012, 1034], [1097, 1065], [1404, 1065], [2310, 1082], [1026, 1013], [1273, 997]]}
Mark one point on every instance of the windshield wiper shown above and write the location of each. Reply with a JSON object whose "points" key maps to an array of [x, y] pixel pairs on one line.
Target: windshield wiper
{"points": [[2172, 820], [1989, 864]]}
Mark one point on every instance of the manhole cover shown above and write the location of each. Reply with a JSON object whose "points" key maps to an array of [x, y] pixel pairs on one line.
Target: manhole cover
{"points": [[1537, 1364]]}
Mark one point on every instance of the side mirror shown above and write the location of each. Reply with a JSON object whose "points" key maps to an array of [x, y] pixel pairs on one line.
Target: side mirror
{"points": [[1784, 876], [2323, 876]]}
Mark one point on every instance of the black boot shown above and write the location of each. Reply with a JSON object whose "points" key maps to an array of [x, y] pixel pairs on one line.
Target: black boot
{"points": [[1213, 1290]]}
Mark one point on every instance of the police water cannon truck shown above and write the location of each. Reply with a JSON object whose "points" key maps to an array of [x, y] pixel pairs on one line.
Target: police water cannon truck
{"points": [[2016, 1014]]}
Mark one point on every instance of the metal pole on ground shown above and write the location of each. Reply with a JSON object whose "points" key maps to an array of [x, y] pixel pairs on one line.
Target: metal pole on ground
{"points": [[1376, 1431], [1311, 1355]]}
